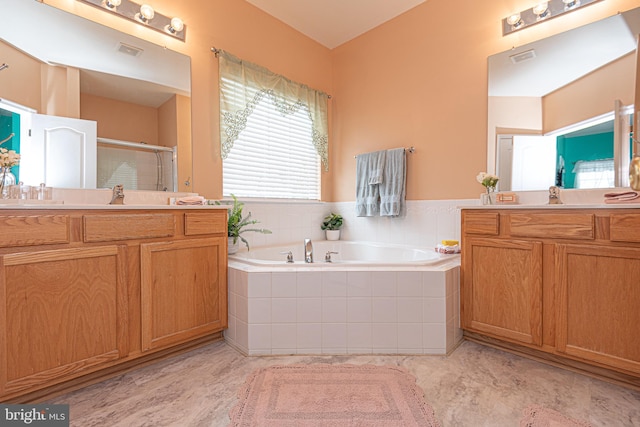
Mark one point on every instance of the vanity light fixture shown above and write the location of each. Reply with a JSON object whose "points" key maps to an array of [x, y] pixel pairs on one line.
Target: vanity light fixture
{"points": [[142, 14], [542, 11]]}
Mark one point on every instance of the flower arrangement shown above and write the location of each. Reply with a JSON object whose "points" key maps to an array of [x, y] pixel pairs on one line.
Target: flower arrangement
{"points": [[8, 159], [489, 182]]}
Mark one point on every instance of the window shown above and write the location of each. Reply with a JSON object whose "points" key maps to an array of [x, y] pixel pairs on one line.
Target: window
{"points": [[594, 173], [273, 133]]}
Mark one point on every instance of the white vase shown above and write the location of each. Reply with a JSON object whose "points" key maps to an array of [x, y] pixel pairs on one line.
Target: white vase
{"points": [[333, 234], [232, 248]]}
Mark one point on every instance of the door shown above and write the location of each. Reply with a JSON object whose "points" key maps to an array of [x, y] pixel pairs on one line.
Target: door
{"points": [[62, 152]]}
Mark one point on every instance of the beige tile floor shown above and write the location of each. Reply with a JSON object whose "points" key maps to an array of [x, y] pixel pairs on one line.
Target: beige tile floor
{"points": [[474, 386]]}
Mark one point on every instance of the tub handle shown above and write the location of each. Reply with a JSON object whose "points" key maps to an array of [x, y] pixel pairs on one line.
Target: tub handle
{"points": [[289, 256], [327, 257]]}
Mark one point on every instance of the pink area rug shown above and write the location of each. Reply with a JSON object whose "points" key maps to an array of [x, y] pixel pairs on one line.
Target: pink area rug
{"points": [[330, 396], [539, 416]]}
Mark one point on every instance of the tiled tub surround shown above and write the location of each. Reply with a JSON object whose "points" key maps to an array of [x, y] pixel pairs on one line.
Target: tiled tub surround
{"points": [[344, 310]]}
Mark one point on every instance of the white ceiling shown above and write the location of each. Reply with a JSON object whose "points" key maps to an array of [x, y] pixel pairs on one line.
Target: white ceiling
{"points": [[334, 22]]}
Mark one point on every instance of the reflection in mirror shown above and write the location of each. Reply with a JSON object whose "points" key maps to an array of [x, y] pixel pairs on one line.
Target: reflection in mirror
{"points": [[559, 108], [137, 93]]}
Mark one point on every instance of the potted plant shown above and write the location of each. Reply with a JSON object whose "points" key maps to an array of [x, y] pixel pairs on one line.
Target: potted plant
{"points": [[332, 224], [237, 224]]}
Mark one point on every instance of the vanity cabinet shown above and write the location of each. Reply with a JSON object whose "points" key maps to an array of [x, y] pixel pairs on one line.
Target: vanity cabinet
{"points": [[562, 285], [89, 293]]}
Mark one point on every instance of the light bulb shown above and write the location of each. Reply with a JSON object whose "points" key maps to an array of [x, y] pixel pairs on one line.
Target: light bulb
{"points": [[570, 4], [112, 4], [146, 13], [514, 20], [541, 10], [176, 25]]}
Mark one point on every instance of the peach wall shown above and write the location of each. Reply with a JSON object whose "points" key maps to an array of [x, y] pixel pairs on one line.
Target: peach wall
{"points": [[421, 80], [121, 120], [22, 68], [417, 80], [590, 96]]}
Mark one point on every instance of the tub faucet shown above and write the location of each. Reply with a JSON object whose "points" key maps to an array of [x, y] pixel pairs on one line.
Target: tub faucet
{"points": [[118, 195], [308, 251]]}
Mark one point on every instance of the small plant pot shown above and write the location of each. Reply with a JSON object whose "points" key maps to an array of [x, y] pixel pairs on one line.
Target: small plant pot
{"points": [[233, 247], [333, 234]]}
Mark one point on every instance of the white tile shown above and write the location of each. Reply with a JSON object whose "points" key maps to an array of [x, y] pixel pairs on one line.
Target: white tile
{"points": [[242, 308], [359, 336], [450, 307], [241, 282], [434, 335], [384, 284], [242, 334], [433, 284], [309, 335], [334, 310], [334, 336], [384, 310], [284, 351], [358, 309], [259, 285], [231, 280], [259, 310], [265, 352], [410, 336], [409, 283], [309, 284], [355, 350], [283, 285], [230, 332], [337, 350], [259, 337], [434, 310], [409, 310], [384, 336], [359, 283], [283, 336], [334, 283], [309, 310], [232, 304], [283, 310], [309, 351]]}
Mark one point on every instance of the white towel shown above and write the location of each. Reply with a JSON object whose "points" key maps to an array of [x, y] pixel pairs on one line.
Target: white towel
{"points": [[393, 187], [368, 175]]}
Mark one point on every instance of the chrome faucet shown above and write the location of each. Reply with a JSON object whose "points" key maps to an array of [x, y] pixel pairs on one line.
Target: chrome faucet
{"points": [[554, 195], [308, 251], [118, 195]]}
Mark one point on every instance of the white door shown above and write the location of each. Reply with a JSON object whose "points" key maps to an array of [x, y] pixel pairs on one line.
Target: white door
{"points": [[61, 153]]}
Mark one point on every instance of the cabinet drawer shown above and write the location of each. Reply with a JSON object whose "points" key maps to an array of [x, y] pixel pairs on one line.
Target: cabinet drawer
{"points": [[553, 226], [205, 223], [34, 230], [625, 227], [104, 228], [486, 223]]}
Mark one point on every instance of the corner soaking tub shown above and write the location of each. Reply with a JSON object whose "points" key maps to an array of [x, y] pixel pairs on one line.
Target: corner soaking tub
{"points": [[343, 252], [371, 299]]}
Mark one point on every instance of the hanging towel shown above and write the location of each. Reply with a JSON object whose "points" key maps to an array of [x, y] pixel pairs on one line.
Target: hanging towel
{"points": [[392, 189], [368, 177]]}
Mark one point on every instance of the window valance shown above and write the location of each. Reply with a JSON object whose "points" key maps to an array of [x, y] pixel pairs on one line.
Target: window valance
{"points": [[243, 85]]}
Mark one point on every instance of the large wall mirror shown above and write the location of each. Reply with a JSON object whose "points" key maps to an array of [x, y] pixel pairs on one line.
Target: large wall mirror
{"points": [[62, 65], [560, 109]]}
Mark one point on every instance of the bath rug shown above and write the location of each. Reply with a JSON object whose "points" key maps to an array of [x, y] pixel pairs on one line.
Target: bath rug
{"points": [[539, 416], [330, 396]]}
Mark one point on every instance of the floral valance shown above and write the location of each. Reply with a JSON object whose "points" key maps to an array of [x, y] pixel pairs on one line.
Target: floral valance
{"points": [[243, 85]]}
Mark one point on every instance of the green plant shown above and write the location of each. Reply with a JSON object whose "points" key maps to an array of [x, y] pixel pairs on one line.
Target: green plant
{"points": [[332, 222], [237, 223]]}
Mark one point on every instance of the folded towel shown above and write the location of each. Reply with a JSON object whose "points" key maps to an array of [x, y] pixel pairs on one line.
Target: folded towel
{"points": [[367, 194], [393, 187], [376, 167], [191, 200], [626, 197]]}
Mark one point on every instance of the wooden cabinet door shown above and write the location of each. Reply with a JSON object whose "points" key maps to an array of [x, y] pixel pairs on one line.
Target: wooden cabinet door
{"points": [[63, 314], [184, 290], [598, 312], [502, 289]]}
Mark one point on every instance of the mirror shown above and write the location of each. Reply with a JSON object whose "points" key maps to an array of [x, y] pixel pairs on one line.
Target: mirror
{"points": [[561, 92], [61, 64]]}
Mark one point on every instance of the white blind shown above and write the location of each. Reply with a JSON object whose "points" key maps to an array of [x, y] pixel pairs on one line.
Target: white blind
{"points": [[274, 156]]}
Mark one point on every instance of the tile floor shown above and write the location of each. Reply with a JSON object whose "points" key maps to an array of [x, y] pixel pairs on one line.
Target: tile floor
{"points": [[474, 386]]}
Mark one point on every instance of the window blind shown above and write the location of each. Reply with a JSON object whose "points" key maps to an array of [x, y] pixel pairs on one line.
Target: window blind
{"points": [[273, 156]]}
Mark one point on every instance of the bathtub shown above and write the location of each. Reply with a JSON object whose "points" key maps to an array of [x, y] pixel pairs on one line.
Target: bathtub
{"points": [[372, 299], [343, 252]]}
